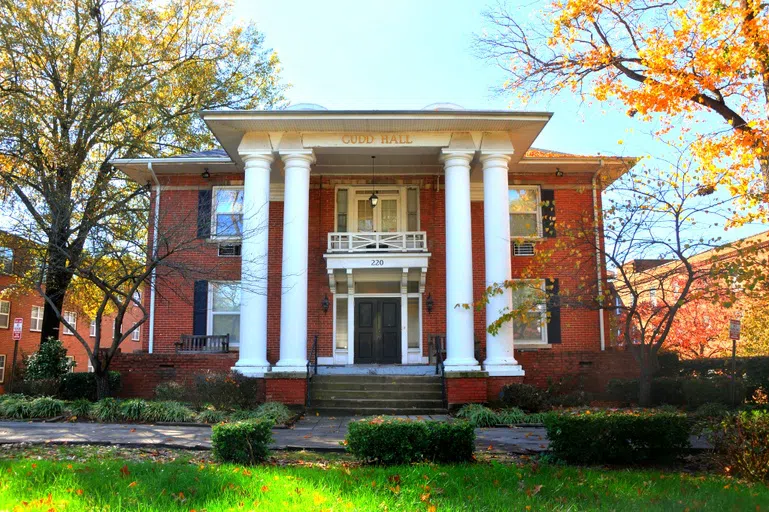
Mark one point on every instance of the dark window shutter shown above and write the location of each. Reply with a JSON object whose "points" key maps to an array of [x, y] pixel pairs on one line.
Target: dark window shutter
{"points": [[200, 308], [548, 213], [204, 213], [554, 310]]}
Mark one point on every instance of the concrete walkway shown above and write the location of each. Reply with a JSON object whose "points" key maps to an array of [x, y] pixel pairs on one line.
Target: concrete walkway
{"points": [[312, 433]]}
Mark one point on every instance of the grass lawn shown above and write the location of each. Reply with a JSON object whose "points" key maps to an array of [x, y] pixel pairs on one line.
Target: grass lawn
{"points": [[71, 478]]}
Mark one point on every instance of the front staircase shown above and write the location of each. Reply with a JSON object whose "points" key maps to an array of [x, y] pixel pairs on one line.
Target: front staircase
{"points": [[365, 395]]}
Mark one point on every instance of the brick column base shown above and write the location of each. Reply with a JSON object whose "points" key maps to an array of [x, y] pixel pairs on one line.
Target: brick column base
{"points": [[288, 388], [495, 385], [466, 387]]}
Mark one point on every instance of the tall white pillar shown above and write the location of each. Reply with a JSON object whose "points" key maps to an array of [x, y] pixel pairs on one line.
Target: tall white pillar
{"points": [[293, 302], [253, 280], [460, 341], [500, 360]]}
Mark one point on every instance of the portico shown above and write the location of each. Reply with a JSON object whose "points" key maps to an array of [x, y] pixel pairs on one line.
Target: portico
{"points": [[377, 258]]}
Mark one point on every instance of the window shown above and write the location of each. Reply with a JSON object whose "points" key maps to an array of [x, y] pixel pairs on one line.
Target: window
{"points": [[36, 319], [116, 327], [6, 260], [412, 209], [414, 333], [71, 318], [72, 363], [230, 250], [341, 323], [225, 310], [135, 334], [341, 210], [528, 327], [2, 368], [5, 314], [525, 221], [92, 329], [653, 298], [90, 366], [228, 212]]}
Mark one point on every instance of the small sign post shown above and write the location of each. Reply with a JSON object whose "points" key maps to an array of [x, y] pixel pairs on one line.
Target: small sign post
{"points": [[734, 334], [17, 326]]}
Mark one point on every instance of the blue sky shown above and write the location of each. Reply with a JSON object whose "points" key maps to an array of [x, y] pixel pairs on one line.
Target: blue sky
{"points": [[406, 54]]}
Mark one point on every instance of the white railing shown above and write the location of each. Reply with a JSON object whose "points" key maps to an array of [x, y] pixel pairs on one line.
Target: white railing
{"points": [[406, 241]]}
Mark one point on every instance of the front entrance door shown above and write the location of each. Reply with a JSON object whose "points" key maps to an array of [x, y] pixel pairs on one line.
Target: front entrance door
{"points": [[378, 331]]}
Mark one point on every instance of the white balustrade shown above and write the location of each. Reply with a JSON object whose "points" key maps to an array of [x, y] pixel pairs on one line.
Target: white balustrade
{"points": [[405, 241]]}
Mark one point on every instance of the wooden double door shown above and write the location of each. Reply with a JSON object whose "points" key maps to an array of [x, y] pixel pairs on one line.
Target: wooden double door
{"points": [[378, 330]]}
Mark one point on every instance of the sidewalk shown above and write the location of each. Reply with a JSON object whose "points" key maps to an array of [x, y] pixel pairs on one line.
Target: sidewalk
{"points": [[312, 433]]}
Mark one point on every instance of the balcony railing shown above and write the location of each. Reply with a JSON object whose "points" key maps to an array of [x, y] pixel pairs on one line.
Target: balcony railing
{"points": [[405, 241], [212, 344]]}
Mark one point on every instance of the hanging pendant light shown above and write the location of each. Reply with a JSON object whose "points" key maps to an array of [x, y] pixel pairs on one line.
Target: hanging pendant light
{"points": [[374, 199]]}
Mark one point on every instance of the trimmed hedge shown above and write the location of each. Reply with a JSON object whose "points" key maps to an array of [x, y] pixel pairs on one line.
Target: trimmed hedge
{"points": [[83, 385], [398, 441], [617, 438], [244, 442], [524, 396], [691, 392]]}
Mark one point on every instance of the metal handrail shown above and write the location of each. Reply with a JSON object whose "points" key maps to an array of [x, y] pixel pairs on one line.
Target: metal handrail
{"points": [[440, 370], [312, 368]]}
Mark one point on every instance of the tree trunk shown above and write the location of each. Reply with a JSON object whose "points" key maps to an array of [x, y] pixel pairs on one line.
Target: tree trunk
{"points": [[645, 388], [102, 384], [56, 283]]}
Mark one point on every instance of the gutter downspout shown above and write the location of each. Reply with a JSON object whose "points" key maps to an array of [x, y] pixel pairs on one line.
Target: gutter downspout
{"points": [[155, 224], [598, 265]]}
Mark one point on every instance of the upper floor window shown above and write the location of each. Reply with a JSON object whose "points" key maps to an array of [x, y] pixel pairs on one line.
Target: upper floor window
{"points": [[6, 260], [396, 211], [5, 314], [92, 329], [228, 212], [525, 214], [71, 318], [36, 319]]}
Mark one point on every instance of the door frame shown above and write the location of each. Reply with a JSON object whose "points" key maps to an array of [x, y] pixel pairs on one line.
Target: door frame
{"points": [[379, 299]]}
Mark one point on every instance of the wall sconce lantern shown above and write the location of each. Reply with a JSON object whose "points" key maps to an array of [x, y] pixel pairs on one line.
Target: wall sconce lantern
{"points": [[374, 200], [429, 303], [205, 174], [558, 172], [324, 304]]}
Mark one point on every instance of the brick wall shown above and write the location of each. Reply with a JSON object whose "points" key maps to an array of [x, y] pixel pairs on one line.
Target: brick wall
{"points": [[141, 373], [286, 391]]}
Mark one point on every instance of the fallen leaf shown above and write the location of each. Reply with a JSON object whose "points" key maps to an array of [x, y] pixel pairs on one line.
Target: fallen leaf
{"points": [[132, 484], [124, 470]]}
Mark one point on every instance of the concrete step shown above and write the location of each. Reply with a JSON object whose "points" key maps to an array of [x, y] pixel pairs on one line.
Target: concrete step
{"points": [[375, 386], [374, 403], [376, 393], [406, 379], [362, 411]]}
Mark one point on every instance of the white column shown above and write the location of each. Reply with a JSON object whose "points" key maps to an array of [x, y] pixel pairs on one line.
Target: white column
{"points": [[460, 344], [253, 280], [293, 302], [500, 360]]}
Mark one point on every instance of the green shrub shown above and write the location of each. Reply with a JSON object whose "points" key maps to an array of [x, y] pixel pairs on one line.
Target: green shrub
{"points": [[226, 390], [106, 410], [743, 444], [399, 441], [511, 416], [478, 415], [577, 398], [45, 407], [276, 412], [80, 408], [171, 391], [524, 396], [450, 442], [682, 391], [48, 362], [168, 412], [40, 387], [699, 391], [623, 390], [242, 415], [133, 409], [537, 417], [616, 437], [711, 410], [668, 390], [15, 408], [75, 386], [243, 442], [211, 416]]}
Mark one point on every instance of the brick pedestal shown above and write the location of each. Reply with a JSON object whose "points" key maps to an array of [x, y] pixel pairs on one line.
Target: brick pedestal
{"points": [[286, 388], [466, 387]]}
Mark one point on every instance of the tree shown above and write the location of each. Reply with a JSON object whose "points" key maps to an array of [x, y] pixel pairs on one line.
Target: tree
{"points": [[656, 224], [83, 82], [754, 338], [675, 58]]}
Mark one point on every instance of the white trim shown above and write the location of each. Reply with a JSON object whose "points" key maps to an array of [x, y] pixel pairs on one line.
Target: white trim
{"points": [[153, 275], [542, 310], [72, 319], [213, 235], [210, 309], [92, 329], [2, 368]]}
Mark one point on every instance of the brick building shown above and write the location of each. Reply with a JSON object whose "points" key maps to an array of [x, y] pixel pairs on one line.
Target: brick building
{"points": [[365, 230], [16, 302]]}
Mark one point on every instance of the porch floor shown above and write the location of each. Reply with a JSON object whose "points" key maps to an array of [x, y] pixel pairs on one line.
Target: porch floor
{"points": [[377, 369]]}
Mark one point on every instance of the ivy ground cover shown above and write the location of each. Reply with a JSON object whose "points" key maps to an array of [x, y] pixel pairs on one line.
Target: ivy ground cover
{"points": [[70, 478]]}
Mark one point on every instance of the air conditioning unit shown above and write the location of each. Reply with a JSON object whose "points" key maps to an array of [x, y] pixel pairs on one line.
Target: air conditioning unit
{"points": [[523, 248], [229, 249]]}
